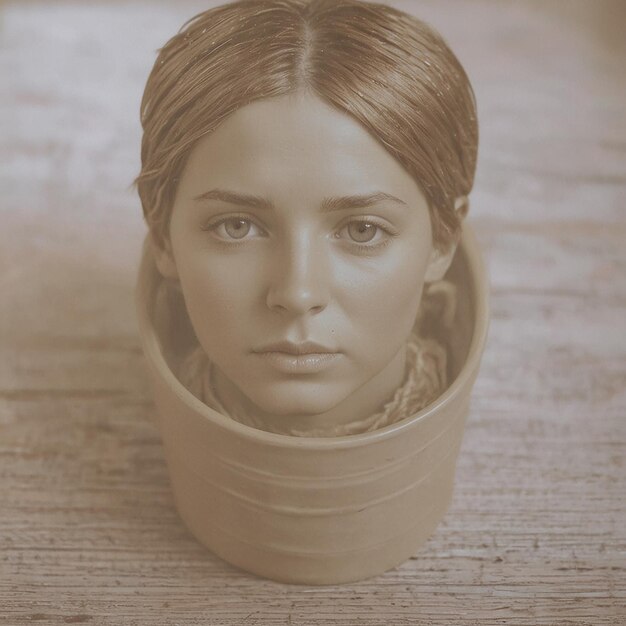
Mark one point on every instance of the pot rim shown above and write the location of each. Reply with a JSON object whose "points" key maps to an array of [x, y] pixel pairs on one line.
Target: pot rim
{"points": [[152, 351]]}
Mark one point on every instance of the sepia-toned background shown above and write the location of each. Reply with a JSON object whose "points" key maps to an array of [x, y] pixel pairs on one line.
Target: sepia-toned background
{"points": [[536, 534]]}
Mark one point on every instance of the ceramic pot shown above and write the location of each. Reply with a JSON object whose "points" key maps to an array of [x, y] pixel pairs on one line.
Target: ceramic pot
{"points": [[314, 510]]}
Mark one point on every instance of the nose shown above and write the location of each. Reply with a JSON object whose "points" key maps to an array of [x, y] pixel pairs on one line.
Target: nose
{"points": [[299, 281]]}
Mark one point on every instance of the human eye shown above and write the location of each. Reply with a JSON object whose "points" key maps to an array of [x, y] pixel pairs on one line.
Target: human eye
{"points": [[234, 228], [366, 233]]}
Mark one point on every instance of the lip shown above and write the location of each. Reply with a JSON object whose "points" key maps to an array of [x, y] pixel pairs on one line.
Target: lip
{"points": [[307, 357], [306, 363], [297, 349]]}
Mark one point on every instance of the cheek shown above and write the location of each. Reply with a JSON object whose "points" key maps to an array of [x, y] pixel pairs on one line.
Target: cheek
{"points": [[220, 295], [383, 299]]}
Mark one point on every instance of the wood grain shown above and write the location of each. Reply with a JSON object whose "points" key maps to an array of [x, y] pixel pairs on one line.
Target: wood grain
{"points": [[536, 534]]}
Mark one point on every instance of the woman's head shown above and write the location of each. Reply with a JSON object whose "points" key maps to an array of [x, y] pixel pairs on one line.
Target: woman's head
{"points": [[294, 184], [386, 69]]}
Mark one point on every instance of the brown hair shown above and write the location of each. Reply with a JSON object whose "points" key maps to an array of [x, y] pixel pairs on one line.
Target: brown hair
{"points": [[385, 68]]}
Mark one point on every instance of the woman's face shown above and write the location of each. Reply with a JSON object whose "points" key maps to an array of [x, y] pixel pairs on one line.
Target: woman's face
{"points": [[291, 225]]}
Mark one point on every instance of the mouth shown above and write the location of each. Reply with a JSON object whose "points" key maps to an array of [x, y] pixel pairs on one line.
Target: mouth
{"points": [[301, 358]]}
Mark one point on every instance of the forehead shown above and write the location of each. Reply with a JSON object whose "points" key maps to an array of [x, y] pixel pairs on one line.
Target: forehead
{"points": [[294, 145]]}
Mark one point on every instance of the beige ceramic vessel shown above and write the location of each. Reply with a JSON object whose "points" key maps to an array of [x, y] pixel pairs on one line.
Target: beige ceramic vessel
{"points": [[315, 510]]}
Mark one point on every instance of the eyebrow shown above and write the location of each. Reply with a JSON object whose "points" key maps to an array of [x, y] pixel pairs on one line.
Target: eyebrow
{"points": [[328, 204]]}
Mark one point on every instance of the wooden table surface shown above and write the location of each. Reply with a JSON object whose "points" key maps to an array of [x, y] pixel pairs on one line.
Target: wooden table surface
{"points": [[536, 533]]}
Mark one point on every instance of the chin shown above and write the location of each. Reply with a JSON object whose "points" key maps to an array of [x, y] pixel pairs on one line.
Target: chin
{"points": [[296, 402]]}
